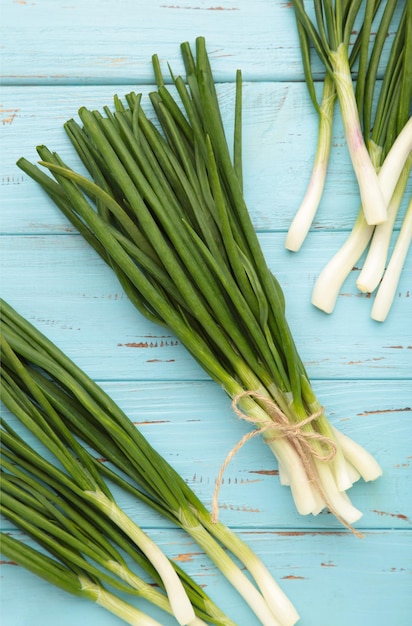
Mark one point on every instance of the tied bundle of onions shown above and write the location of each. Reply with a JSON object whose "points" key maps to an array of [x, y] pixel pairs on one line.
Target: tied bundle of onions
{"points": [[164, 208], [378, 128]]}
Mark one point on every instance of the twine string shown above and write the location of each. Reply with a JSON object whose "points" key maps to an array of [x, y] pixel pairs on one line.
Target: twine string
{"points": [[302, 440]]}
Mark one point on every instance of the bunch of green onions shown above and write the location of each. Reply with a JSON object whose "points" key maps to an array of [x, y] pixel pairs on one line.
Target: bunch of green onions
{"points": [[74, 514], [383, 127], [164, 208], [67, 506]]}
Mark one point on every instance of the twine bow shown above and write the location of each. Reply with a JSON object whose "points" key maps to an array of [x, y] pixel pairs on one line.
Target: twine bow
{"points": [[301, 439]]}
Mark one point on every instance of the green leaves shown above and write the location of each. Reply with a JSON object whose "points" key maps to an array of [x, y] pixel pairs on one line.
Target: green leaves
{"points": [[63, 508], [164, 207]]}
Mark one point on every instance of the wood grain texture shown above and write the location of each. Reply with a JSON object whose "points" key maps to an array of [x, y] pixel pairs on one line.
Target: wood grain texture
{"points": [[71, 295], [251, 496], [279, 137], [102, 43], [330, 578], [57, 56]]}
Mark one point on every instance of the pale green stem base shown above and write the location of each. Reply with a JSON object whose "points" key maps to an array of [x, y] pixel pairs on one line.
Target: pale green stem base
{"points": [[306, 212], [179, 601], [115, 605], [373, 202]]}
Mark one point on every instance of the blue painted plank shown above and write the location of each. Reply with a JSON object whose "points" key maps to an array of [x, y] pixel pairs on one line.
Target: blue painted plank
{"points": [[124, 40], [56, 57], [52, 42], [63, 286], [279, 140], [332, 579]]}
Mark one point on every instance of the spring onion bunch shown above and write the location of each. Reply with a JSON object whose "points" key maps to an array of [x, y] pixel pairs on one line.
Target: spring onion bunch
{"points": [[45, 498], [398, 123], [164, 207], [45, 503], [385, 127], [75, 409], [71, 567]]}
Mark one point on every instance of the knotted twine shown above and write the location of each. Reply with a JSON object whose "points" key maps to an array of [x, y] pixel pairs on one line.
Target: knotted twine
{"points": [[300, 439]]}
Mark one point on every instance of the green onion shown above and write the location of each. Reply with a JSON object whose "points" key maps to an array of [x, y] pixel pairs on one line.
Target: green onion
{"points": [[397, 125], [387, 288], [164, 208], [78, 584], [330, 36], [64, 524], [387, 134], [374, 266], [393, 174], [77, 409], [81, 476], [306, 212], [56, 525]]}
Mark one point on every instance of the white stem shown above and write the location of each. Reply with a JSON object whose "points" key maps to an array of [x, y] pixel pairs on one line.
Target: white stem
{"points": [[343, 476], [353, 472], [145, 589], [375, 262], [115, 605], [303, 219], [374, 266], [179, 601], [334, 273], [341, 504], [331, 278], [395, 161], [286, 455], [275, 598], [227, 566], [386, 292], [300, 486], [320, 503], [361, 459], [283, 476], [373, 202]]}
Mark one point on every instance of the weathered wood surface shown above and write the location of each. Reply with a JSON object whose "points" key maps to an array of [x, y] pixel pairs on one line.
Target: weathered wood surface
{"points": [[57, 56]]}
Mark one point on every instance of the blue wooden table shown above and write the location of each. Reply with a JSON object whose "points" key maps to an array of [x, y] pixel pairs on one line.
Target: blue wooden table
{"points": [[58, 56]]}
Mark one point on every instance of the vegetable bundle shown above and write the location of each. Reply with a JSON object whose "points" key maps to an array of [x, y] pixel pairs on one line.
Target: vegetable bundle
{"points": [[67, 507], [378, 129], [163, 206]]}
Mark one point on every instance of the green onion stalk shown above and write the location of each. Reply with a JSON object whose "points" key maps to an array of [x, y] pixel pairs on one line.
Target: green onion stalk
{"points": [[163, 205], [68, 528], [387, 289], [303, 219], [55, 399], [330, 35], [374, 264], [72, 581], [387, 133], [21, 394], [395, 169], [325, 110]]}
